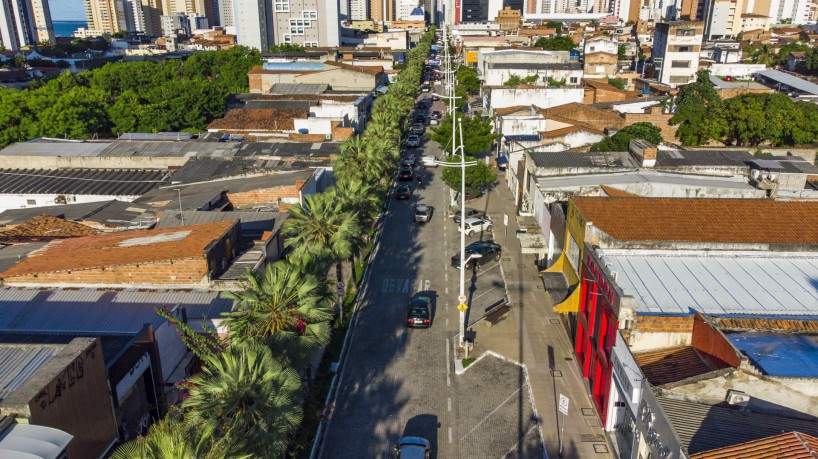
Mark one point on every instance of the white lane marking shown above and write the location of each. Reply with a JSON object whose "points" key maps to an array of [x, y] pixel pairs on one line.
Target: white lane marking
{"points": [[484, 271], [448, 370], [447, 322], [449, 403], [450, 434], [446, 275], [478, 296], [447, 289]]}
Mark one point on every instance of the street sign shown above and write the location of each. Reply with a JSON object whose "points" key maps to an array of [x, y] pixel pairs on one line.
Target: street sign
{"points": [[341, 285], [462, 307], [461, 298], [564, 404]]}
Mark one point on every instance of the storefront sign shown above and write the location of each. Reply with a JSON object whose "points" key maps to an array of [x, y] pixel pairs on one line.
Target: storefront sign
{"points": [[133, 375], [605, 286]]}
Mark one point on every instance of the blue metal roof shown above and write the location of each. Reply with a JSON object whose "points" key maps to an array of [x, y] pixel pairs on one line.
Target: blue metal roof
{"points": [[779, 354], [294, 66], [522, 138]]}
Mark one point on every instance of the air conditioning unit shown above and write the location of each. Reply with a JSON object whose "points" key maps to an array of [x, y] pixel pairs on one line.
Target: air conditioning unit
{"points": [[737, 397]]}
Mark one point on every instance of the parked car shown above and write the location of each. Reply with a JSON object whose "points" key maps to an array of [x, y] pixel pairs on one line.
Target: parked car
{"points": [[429, 161], [413, 448], [474, 225], [405, 173], [435, 115], [487, 250], [417, 128], [408, 161], [421, 105], [435, 96], [420, 118], [470, 213], [420, 313], [423, 213], [403, 192], [434, 122], [425, 87], [413, 141]]}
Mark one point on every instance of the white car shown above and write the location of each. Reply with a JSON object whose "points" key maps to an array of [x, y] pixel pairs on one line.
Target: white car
{"points": [[413, 141], [473, 225], [429, 161]]}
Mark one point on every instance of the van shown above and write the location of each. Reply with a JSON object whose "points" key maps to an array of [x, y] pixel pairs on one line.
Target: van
{"points": [[429, 161]]}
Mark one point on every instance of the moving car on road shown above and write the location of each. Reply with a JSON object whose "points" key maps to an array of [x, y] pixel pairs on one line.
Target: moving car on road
{"points": [[417, 129], [413, 448], [420, 313], [487, 250], [413, 141], [470, 213], [405, 173], [472, 225], [403, 192], [429, 161], [423, 213]]}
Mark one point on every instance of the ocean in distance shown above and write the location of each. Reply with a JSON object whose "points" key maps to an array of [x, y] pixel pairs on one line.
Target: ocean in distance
{"points": [[67, 28]]}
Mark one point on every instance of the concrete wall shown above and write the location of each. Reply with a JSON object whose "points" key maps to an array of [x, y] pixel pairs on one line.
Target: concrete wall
{"points": [[260, 83], [90, 162], [497, 77], [541, 97], [659, 332], [520, 125], [341, 79], [21, 201], [191, 272], [267, 196]]}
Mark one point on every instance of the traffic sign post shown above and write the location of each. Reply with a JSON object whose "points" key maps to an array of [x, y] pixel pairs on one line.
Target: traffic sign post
{"points": [[505, 225], [564, 401]]}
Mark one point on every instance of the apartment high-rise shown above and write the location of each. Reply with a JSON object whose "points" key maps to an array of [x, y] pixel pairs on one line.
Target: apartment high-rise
{"points": [[722, 18], [112, 16], [261, 24], [24, 22], [225, 9], [145, 16], [358, 10], [676, 47]]}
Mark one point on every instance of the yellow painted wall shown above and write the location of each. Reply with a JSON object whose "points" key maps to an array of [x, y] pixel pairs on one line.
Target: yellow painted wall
{"points": [[575, 226], [471, 56]]}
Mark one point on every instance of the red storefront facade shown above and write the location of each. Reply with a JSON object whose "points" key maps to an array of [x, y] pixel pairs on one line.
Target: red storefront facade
{"points": [[597, 322]]}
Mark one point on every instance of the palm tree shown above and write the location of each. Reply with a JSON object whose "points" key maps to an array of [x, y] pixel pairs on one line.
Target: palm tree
{"points": [[764, 54], [360, 199], [170, 438], [359, 160], [248, 397], [284, 301], [320, 226]]}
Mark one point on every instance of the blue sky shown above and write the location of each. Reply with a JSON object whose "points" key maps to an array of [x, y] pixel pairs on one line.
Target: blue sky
{"points": [[67, 10]]}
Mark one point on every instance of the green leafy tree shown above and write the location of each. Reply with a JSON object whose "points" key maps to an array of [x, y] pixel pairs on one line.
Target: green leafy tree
{"points": [[621, 140], [621, 52], [477, 135], [555, 83], [467, 78], [249, 398], [764, 54], [286, 48], [478, 176], [697, 108], [753, 119], [617, 83], [513, 80], [554, 25], [559, 43]]}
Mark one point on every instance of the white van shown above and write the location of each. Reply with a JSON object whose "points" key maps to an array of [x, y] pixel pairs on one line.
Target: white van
{"points": [[429, 161]]}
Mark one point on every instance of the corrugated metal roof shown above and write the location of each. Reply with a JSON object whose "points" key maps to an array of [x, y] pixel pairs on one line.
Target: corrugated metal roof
{"points": [[11, 254], [717, 283], [674, 158], [295, 88], [19, 363], [170, 136], [792, 81], [113, 213], [99, 311], [566, 159], [206, 169], [107, 182], [55, 148], [253, 224], [112, 345], [703, 427], [641, 176]]}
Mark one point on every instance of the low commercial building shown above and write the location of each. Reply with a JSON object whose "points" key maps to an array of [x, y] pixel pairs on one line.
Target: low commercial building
{"points": [[103, 216], [676, 47], [795, 87], [337, 75], [569, 74], [495, 97]]}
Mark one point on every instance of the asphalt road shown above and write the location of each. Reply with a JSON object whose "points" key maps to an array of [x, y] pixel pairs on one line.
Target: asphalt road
{"points": [[399, 381]]}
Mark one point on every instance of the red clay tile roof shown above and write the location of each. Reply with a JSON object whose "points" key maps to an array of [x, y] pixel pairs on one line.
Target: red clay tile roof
{"points": [[791, 445], [259, 119], [616, 192], [568, 130], [368, 69], [122, 248], [45, 228], [666, 366], [513, 109], [703, 220]]}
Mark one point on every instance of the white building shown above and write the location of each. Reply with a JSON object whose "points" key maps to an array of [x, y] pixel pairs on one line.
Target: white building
{"points": [[676, 48], [24, 22], [261, 24], [541, 96], [358, 10]]}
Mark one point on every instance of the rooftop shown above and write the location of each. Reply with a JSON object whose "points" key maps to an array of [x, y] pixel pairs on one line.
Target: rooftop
{"points": [[565, 159], [790, 445], [722, 84], [534, 66], [97, 182], [710, 158], [298, 89], [45, 228], [670, 365], [262, 119], [779, 354], [91, 311], [121, 248], [253, 224], [717, 283], [786, 164], [113, 345], [703, 220], [703, 427], [368, 69], [112, 214], [641, 176], [20, 363], [792, 81]]}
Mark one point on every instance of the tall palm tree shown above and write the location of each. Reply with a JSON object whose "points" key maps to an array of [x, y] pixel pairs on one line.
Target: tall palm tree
{"points": [[286, 301], [321, 226], [170, 438], [248, 397], [360, 199], [764, 54]]}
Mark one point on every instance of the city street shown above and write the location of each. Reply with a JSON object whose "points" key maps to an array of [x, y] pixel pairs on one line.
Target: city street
{"points": [[399, 381]]}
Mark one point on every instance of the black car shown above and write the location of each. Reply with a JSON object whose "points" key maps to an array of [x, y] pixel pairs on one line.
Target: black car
{"points": [[435, 115], [421, 105], [420, 313], [403, 192], [420, 119], [470, 213], [435, 97], [487, 250], [405, 173]]}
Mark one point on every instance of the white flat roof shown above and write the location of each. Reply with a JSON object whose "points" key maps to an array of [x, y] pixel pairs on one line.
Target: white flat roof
{"points": [[641, 176], [717, 283]]}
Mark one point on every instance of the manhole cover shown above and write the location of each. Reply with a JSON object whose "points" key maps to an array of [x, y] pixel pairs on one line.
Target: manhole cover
{"points": [[568, 359], [588, 412], [556, 373], [600, 448], [554, 321]]}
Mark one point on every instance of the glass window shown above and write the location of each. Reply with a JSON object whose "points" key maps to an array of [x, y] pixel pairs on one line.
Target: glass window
{"points": [[680, 64], [685, 32], [282, 5]]}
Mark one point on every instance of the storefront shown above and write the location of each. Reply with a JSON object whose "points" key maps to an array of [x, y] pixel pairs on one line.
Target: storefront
{"points": [[626, 393], [596, 328]]}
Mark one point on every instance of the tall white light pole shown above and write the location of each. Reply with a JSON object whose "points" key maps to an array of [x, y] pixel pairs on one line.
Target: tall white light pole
{"points": [[462, 306]]}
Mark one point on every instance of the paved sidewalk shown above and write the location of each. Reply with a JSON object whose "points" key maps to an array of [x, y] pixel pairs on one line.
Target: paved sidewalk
{"points": [[534, 335]]}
